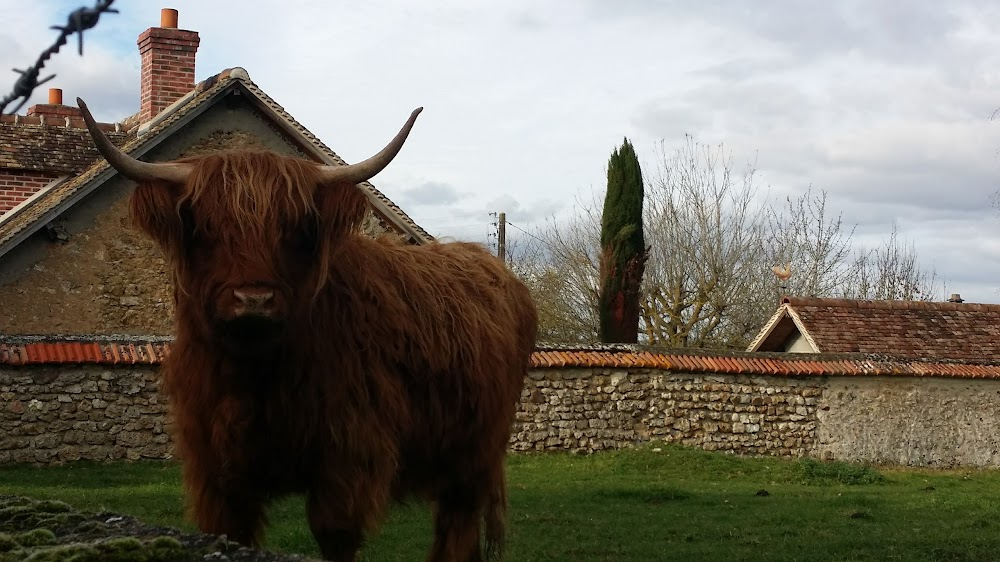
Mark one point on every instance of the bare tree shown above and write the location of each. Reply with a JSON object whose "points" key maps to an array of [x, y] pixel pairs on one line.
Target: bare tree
{"points": [[559, 263], [891, 271], [812, 246], [705, 228]]}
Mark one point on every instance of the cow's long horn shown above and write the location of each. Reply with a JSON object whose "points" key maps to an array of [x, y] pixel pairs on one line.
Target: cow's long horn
{"points": [[357, 173], [125, 164]]}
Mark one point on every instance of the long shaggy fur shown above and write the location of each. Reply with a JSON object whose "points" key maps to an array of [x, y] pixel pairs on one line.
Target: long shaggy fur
{"points": [[397, 373]]}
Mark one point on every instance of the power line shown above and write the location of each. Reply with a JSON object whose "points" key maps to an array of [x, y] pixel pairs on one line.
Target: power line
{"points": [[432, 219], [500, 223], [526, 232], [479, 224]]}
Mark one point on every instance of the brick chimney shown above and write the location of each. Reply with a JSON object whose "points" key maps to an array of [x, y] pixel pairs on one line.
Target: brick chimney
{"points": [[54, 112], [168, 57]]}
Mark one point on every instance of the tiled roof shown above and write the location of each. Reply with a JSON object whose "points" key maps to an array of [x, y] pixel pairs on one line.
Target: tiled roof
{"points": [[927, 330], [126, 350], [58, 148], [51, 202]]}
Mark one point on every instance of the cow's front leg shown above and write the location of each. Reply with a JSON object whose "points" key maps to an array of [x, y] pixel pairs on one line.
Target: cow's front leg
{"points": [[237, 514], [456, 529], [240, 519], [338, 533]]}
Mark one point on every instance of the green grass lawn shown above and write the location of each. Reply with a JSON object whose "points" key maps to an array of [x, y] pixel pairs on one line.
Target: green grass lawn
{"points": [[673, 504]]}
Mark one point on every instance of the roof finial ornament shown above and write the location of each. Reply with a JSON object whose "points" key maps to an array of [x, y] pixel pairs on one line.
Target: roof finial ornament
{"points": [[783, 273]]}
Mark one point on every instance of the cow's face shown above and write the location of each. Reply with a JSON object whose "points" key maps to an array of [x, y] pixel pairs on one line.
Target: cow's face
{"points": [[250, 235]]}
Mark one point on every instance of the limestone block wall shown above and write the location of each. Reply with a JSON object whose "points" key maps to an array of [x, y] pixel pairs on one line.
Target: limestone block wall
{"points": [[587, 410], [55, 414]]}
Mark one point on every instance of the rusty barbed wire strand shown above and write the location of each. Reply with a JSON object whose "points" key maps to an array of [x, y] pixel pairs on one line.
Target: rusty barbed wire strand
{"points": [[78, 21]]}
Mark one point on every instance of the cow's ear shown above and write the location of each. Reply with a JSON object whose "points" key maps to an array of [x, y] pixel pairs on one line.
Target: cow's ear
{"points": [[342, 208], [153, 210]]}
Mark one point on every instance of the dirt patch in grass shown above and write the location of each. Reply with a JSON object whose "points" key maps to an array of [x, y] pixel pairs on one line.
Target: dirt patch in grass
{"points": [[52, 531]]}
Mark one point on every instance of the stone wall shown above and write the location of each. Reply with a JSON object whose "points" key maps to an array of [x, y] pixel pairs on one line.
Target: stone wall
{"points": [[588, 410], [910, 421], [53, 414], [99, 277]]}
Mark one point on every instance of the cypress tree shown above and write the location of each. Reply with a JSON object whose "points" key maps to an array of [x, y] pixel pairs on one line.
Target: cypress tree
{"points": [[623, 248]]}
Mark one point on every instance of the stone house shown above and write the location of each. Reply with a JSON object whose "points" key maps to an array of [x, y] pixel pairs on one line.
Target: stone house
{"points": [[954, 330], [69, 262]]}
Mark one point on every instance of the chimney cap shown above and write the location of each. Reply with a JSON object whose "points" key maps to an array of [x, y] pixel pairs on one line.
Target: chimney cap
{"points": [[55, 96], [168, 18], [955, 297]]}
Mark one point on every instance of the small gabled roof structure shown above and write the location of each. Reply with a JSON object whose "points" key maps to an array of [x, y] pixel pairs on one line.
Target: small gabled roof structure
{"points": [[75, 147], [927, 330]]}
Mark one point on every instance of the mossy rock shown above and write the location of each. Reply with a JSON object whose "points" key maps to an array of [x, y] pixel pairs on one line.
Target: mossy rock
{"points": [[122, 549], [64, 553], [7, 543], [51, 531], [21, 513], [36, 537]]}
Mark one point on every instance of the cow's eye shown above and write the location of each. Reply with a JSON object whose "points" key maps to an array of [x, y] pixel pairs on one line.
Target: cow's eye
{"points": [[306, 237], [192, 233]]}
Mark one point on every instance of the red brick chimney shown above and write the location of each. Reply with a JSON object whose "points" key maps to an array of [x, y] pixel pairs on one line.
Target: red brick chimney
{"points": [[168, 57], [54, 112]]}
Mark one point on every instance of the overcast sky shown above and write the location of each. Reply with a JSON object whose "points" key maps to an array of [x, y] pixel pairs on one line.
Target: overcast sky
{"points": [[886, 105]]}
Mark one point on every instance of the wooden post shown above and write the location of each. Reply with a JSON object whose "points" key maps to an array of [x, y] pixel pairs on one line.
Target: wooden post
{"points": [[502, 237]]}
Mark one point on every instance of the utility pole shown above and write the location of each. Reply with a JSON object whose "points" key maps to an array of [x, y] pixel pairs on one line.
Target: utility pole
{"points": [[502, 237], [500, 234]]}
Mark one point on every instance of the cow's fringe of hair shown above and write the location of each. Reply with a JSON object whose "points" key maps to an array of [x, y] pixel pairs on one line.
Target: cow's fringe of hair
{"points": [[261, 194], [251, 188]]}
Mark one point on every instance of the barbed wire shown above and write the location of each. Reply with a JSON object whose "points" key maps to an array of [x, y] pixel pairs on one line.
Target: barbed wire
{"points": [[78, 21]]}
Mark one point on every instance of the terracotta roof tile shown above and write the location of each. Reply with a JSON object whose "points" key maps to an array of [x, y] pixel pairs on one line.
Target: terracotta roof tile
{"points": [[124, 350], [926, 330], [765, 366], [683, 362]]}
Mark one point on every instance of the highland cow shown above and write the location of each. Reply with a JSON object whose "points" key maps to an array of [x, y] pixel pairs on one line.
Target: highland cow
{"points": [[312, 359]]}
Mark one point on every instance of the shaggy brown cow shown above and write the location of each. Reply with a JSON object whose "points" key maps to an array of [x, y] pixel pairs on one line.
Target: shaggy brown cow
{"points": [[312, 359]]}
